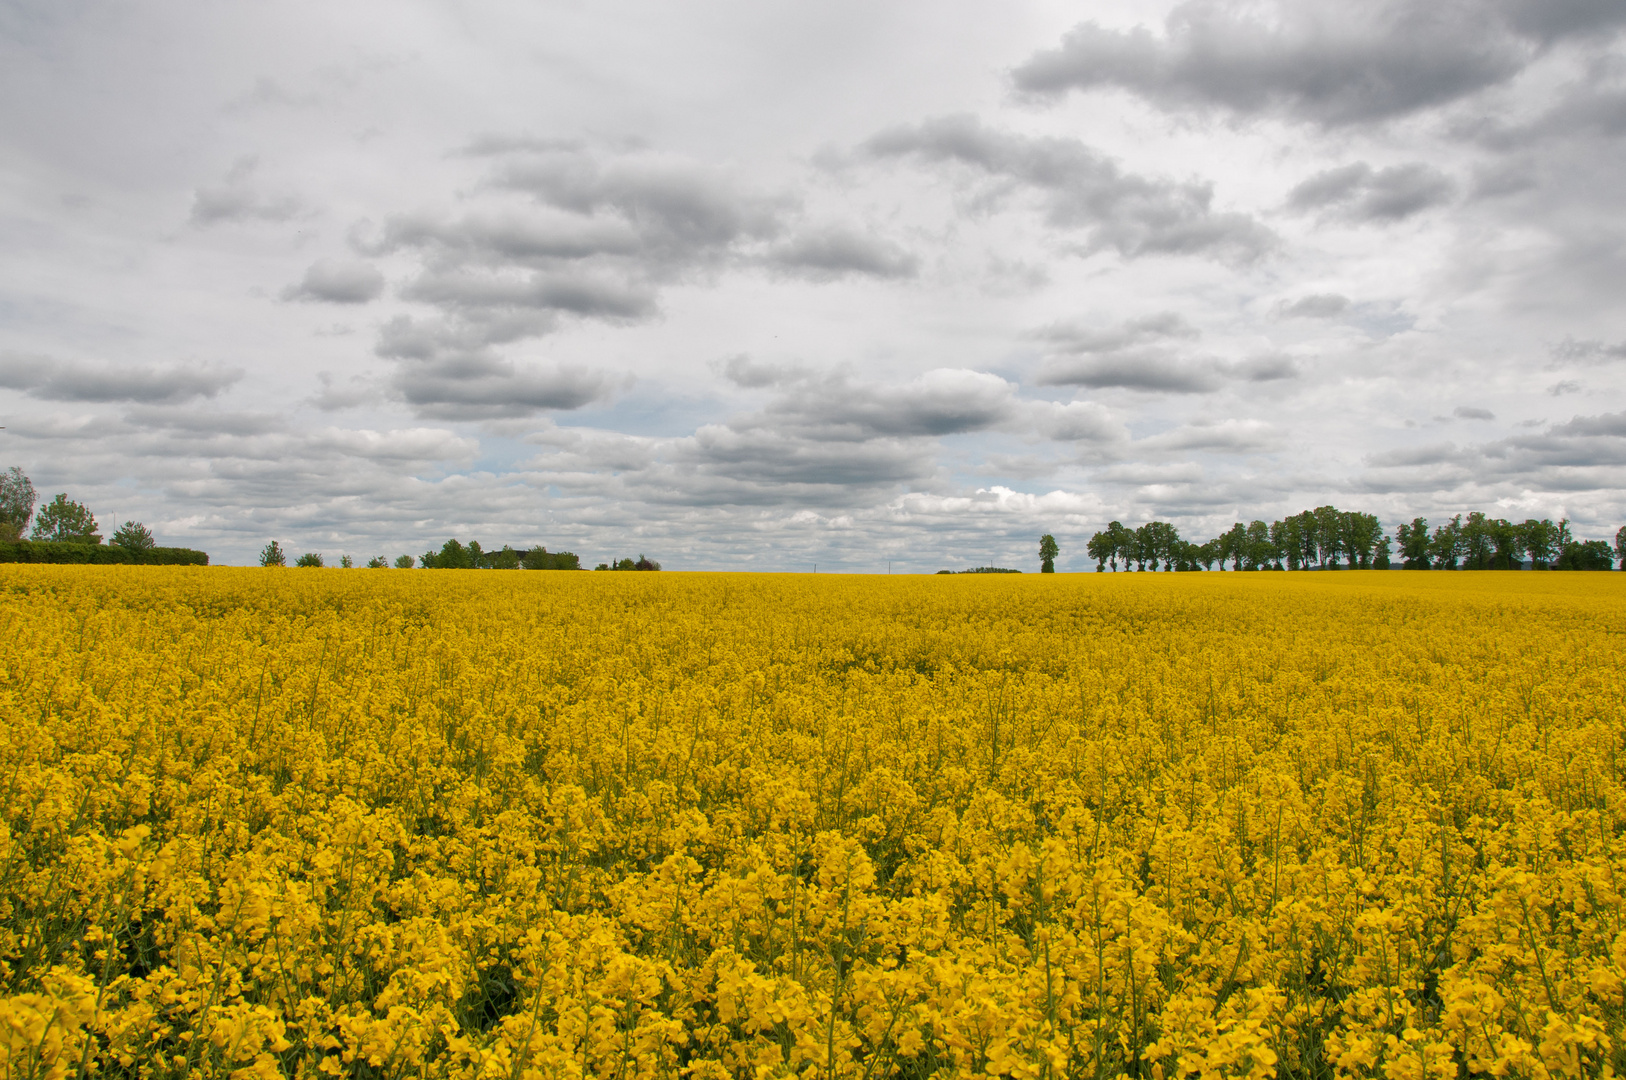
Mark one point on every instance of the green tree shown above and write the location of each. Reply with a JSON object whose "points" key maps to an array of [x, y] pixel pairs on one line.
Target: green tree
{"points": [[1236, 545], [1257, 550], [403, 562], [1478, 542], [134, 536], [1414, 544], [66, 522], [1329, 534], [1540, 541], [1048, 550], [1586, 555], [452, 556], [273, 555], [1361, 535], [506, 559], [1380, 559], [16, 503], [1620, 546], [346, 562], [1285, 536], [1121, 544], [310, 558], [1505, 544], [1446, 544], [378, 562], [1098, 548]]}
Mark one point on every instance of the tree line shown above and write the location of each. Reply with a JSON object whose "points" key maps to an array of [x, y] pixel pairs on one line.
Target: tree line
{"points": [[66, 531], [1328, 538]]}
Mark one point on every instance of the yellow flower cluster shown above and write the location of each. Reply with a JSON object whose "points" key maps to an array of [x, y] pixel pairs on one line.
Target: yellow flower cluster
{"points": [[264, 823]]}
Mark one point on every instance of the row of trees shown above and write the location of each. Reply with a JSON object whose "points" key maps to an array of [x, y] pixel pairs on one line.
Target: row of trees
{"points": [[60, 521], [453, 555], [1327, 537]]}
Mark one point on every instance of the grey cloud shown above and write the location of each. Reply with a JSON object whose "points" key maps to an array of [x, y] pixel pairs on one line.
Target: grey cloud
{"points": [[1083, 189], [1075, 337], [1321, 61], [496, 389], [1435, 454], [531, 236], [1315, 306], [1609, 424], [238, 199], [941, 402], [1227, 436], [1587, 351], [604, 299], [1134, 370], [1267, 368], [832, 253], [1076, 421], [744, 372], [770, 459], [57, 380], [1140, 354], [678, 209], [1469, 412], [204, 423], [1362, 193], [338, 281], [1564, 386], [447, 371], [333, 397]]}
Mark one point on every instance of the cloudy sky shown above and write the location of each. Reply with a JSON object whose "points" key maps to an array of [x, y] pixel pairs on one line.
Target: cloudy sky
{"points": [[759, 284]]}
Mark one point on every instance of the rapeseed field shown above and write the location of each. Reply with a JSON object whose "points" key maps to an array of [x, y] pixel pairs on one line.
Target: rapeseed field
{"points": [[266, 823]]}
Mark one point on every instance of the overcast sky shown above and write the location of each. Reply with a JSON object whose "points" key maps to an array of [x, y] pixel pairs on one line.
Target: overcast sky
{"points": [[758, 284]]}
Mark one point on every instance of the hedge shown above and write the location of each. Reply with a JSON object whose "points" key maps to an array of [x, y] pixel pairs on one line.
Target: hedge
{"points": [[44, 551]]}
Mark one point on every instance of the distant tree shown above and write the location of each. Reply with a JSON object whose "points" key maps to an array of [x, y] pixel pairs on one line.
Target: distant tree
{"points": [[1620, 546], [273, 555], [1380, 558], [1120, 545], [1097, 548], [1048, 550], [134, 536], [1361, 535], [1309, 538], [452, 556], [1540, 541], [606, 566], [310, 558], [1329, 532], [1208, 553], [1506, 546], [1586, 555], [1414, 545], [1257, 550], [403, 562], [506, 559], [540, 558], [1478, 542], [378, 562], [645, 564], [66, 522], [1236, 544], [346, 562], [16, 503], [1284, 535], [1446, 544]]}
